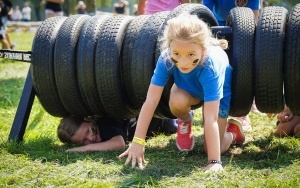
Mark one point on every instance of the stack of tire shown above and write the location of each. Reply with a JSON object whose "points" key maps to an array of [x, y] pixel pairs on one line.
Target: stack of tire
{"points": [[102, 65]]}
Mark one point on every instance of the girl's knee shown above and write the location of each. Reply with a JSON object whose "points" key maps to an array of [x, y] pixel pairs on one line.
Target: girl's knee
{"points": [[179, 105], [178, 100]]}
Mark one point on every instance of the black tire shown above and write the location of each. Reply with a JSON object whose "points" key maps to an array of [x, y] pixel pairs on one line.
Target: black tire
{"points": [[143, 57], [241, 58], [65, 65], [292, 61], [126, 54], [86, 63], [268, 61], [107, 63], [200, 10], [41, 68]]}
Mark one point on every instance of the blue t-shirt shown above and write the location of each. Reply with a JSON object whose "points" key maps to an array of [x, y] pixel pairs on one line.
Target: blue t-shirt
{"points": [[209, 81], [221, 8]]}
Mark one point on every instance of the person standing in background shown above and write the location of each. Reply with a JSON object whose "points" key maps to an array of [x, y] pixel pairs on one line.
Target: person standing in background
{"points": [[81, 7], [135, 8], [26, 12], [53, 8], [3, 40], [6, 11], [221, 9], [16, 14], [121, 7], [154, 6]]}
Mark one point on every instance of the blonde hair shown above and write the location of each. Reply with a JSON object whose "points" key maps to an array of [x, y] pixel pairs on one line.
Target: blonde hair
{"points": [[191, 28]]}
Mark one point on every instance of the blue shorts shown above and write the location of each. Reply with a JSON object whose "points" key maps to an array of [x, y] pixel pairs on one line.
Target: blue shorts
{"points": [[2, 33], [4, 20], [223, 113]]}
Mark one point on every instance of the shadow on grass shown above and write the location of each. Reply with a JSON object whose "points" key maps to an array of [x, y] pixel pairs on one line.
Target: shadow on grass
{"points": [[165, 160], [270, 153], [45, 149]]}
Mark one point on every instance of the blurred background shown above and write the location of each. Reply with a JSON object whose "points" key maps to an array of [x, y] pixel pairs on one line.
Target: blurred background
{"points": [[107, 6]]}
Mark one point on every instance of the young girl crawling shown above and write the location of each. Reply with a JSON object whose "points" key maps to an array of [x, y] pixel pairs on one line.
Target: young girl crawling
{"points": [[202, 73]]}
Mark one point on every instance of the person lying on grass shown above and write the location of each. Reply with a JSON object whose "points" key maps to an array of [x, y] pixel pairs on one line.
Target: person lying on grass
{"points": [[288, 124], [103, 134]]}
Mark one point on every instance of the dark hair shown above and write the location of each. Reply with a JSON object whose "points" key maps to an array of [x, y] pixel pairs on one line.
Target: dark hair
{"points": [[68, 127]]}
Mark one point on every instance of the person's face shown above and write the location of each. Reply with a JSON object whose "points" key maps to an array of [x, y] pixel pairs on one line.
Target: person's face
{"points": [[241, 3], [186, 55], [87, 133]]}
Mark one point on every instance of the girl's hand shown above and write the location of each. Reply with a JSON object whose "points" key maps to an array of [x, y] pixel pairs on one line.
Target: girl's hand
{"points": [[135, 154], [215, 167], [285, 116]]}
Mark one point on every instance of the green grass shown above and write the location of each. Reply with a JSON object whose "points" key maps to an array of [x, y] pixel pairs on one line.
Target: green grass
{"points": [[41, 161]]}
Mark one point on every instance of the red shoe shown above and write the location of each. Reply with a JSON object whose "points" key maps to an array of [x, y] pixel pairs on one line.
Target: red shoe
{"points": [[185, 139], [235, 127]]}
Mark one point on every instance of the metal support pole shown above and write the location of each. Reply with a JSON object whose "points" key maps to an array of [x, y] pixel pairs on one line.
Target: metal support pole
{"points": [[22, 115]]}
